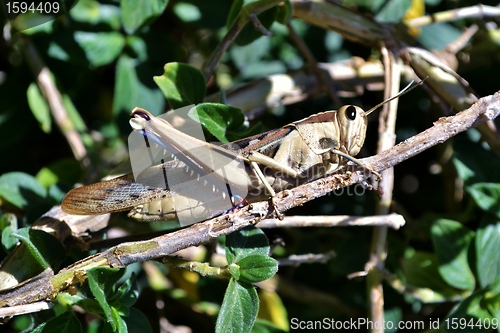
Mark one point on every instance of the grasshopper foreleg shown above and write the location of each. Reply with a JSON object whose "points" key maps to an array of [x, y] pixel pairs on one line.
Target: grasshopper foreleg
{"points": [[358, 162]]}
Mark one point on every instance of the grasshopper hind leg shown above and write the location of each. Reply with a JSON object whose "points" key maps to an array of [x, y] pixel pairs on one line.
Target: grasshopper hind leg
{"points": [[268, 187]]}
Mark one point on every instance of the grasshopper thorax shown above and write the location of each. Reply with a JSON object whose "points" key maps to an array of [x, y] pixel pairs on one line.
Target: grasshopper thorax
{"points": [[352, 127]]}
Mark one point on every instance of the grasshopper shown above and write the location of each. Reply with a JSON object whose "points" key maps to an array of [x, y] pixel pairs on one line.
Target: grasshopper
{"points": [[247, 170]]}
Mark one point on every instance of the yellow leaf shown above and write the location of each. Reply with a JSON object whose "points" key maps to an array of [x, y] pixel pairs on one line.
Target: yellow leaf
{"points": [[271, 308], [416, 9]]}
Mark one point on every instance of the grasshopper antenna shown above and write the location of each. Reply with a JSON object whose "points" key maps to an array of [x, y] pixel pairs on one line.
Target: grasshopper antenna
{"points": [[407, 89]]}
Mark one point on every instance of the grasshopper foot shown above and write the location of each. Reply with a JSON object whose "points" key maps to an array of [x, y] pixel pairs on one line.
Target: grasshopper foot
{"points": [[279, 215]]}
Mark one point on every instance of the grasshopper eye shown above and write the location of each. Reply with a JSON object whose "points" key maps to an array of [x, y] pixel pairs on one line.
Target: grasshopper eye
{"points": [[350, 112]]}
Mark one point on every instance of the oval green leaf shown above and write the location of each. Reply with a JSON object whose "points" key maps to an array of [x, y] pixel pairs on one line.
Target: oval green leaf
{"points": [[137, 14], [239, 308], [218, 119], [257, 268], [39, 107], [244, 243], [486, 196], [469, 315], [181, 84], [44, 248], [488, 255], [21, 189], [421, 270], [451, 241], [131, 91], [100, 48]]}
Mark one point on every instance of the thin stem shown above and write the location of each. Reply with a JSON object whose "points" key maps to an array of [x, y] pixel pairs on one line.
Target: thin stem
{"points": [[378, 253], [54, 99], [478, 11], [201, 268]]}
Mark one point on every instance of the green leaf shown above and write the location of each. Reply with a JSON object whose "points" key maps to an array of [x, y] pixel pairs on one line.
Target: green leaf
{"points": [[128, 292], [93, 12], [33, 22], [493, 305], [239, 308], [67, 171], [438, 35], [252, 61], [469, 316], [451, 241], [21, 189], [101, 281], [234, 269], [137, 14], [121, 325], [39, 107], [181, 84], [421, 270], [38, 250], [100, 48], [218, 119], [285, 12], [131, 91], [257, 268], [234, 12], [137, 322], [264, 326], [45, 249], [244, 243], [486, 196], [393, 11], [8, 225], [488, 256], [138, 47], [64, 323], [187, 12], [469, 160], [73, 114]]}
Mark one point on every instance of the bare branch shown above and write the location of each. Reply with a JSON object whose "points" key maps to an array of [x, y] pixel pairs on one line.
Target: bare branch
{"points": [[310, 258], [54, 99], [479, 11], [394, 221]]}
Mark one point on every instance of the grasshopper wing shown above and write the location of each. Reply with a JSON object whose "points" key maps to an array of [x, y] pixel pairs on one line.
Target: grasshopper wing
{"points": [[212, 169], [110, 196]]}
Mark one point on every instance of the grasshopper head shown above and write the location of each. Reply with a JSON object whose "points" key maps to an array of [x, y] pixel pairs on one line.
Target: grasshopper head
{"points": [[352, 122], [139, 118]]}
